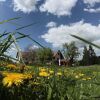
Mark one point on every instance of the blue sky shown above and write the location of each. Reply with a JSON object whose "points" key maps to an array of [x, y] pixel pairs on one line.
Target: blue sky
{"points": [[55, 19]]}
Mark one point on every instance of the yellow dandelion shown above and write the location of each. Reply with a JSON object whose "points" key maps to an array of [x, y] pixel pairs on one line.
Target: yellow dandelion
{"points": [[89, 78], [11, 66], [51, 71], [14, 78], [45, 74], [81, 74], [42, 69], [27, 76], [84, 79], [59, 73], [77, 77]]}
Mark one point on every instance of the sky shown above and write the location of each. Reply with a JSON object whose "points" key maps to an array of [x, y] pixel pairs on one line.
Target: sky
{"points": [[54, 21]]}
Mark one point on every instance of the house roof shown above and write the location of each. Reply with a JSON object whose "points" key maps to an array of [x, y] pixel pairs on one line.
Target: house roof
{"points": [[58, 54]]}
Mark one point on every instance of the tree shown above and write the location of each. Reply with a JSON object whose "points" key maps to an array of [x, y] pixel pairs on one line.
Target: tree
{"points": [[70, 52], [30, 55], [37, 55], [44, 55], [85, 59], [92, 55], [88, 42], [89, 56]]}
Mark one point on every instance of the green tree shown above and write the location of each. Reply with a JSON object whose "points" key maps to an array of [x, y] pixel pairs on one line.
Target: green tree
{"points": [[88, 42], [85, 59], [70, 52], [92, 55], [44, 55], [30, 55]]}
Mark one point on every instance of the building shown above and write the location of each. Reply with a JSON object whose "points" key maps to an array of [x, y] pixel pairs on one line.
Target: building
{"points": [[59, 59]]}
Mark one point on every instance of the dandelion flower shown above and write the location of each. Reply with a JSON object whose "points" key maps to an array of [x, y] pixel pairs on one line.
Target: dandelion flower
{"points": [[15, 78], [59, 73], [51, 71], [81, 74], [42, 69], [77, 76], [11, 66], [45, 74]]}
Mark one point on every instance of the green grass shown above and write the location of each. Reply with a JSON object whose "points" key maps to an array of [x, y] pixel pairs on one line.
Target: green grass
{"points": [[79, 83]]}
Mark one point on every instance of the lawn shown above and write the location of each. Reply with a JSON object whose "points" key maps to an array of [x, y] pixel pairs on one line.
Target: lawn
{"points": [[52, 83]]}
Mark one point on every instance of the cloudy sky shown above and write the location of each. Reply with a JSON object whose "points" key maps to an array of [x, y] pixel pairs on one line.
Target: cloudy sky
{"points": [[55, 20]]}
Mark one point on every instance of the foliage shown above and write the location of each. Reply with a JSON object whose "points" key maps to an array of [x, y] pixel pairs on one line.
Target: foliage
{"points": [[40, 83], [44, 55], [85, 59], [37, 56], [9, 38], [86, 41], [30, 56], [14, 78], [93, 59], [92, 55], [70, 52]]}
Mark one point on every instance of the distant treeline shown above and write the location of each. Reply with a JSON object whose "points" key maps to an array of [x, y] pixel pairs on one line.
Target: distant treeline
{"points": [[70, 54]]}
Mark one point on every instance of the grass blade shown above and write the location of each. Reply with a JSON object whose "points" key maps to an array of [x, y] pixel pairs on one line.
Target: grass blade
{"points": [[31, 39], [86, 41], [14, 23], [25, 26], [18, 49], [6, 45], [5, 21], [3, 35]]}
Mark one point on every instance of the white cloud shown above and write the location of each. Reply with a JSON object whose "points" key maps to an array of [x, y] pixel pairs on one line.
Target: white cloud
{"points": [[25, 6], [91, 10], [32, 47], [58, 7], [90, 5], [57, 36], [91, 2], [51, 24]]}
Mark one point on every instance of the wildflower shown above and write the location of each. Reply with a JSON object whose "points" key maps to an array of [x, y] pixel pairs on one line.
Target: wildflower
{"points": [[11, 79], [11, 66], [14, 78], [59, 73], [77, 76], [4, 73], [87, 78], [51, 71], [43, 73], [81, 74], [42, 69], [27, 76], [84, 79]]}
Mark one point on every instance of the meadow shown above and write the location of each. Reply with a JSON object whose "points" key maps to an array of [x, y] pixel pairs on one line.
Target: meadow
{"points": [[44, 83], [50, 83]]}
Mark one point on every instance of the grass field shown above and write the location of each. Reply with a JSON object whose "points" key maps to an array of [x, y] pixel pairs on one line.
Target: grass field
{"points": [[53, 83]]}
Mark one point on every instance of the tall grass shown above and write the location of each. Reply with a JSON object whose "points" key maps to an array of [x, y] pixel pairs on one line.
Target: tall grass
{"points": [[86, 41], [9, 38]]}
